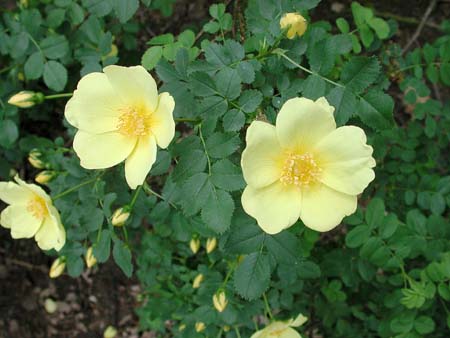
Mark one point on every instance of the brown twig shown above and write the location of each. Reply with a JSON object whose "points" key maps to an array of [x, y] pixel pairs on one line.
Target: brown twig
{"points": [[27, 265], [421, 25]]}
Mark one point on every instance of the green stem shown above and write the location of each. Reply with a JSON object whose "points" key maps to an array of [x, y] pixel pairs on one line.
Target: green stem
{"points": [[204, 147], [36, 44], [281, 53], [135, 196], [149, 190], [78, 186], [238, 334], [266, 304], [57, 96]]}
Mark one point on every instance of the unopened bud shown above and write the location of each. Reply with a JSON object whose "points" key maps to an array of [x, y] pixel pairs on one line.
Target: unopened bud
{"points": [[119, 217], [110, 332], [57, 267], [226, 328], [45, 176], [34, 157], [211, 244], [197, 281], [220, 301], [194, 244], [90, 259], [182, 327], [294, 23], [200, 326], [26, 99], [50, 306]]}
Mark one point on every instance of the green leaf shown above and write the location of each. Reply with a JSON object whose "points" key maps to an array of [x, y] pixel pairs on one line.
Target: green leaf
{"points": [[444, 71], [220, 145], [98, 7], [228, 83], [162, 39], [227, 176], [380, 27], [314, 87], [388, 226], [375, 213], [125, 9], [55, 75], [151, 57], [122, 257], [343, 25], [245, 236], [403, 322], [197, 189], [55, 17], [55, 46], [8, 133], [357, 236], [375, 110], [218, 210], [102, 248], [308, 270], [252, 276], [285, 247], [189, 164], [202, 84], [75, 266], [250, 100], [34, 67], [187, 38], [233, 120], [344, 102], [360, 72], [424, 324], [75, 13]]}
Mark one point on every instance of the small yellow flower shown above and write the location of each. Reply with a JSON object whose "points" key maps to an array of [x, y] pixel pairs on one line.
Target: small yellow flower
{"points": [[294, 23], [57, 268], [110, 332], [119, 217], [120, 117], [90, 259], [194, 244], [220, 301], [31, 213], [23, 99], [35, 159], [281, 329], [197, 281], [200, 326], [211, 244], [304, 167], [45, 176]]}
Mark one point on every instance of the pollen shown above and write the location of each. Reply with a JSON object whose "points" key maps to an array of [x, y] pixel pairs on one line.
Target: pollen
{"points": [[134, 122], [37, 207], [300, 170]]}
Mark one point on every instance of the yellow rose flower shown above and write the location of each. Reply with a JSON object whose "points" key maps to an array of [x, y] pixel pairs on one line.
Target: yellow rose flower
{"points": [[120, 116], [295, 23], [281, 329], [304, 168], [31, 213]]}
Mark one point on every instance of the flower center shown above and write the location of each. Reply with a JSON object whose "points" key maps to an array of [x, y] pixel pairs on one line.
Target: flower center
{"points": [[300, 170], [37, 207], [134, 122]]}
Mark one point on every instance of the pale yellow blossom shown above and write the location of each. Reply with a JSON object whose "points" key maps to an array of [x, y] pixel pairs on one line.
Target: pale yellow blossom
{"points": [[294, 23], [304, 167], [31, 214], [57, 268], [281, 329], [120, 117], [220, 301], [119, 217], [23, 99], [90, 258]]}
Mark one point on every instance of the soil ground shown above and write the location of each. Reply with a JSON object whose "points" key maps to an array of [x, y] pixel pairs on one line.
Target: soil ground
{"points": [[104, 296]]}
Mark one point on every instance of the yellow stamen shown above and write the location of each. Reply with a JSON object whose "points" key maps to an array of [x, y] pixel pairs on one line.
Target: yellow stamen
{"points": [[37, 207], [300, 170], [134, 122]]}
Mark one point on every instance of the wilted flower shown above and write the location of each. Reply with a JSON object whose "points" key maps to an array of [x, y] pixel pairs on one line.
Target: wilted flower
{"points": [[281, 329], [90, 259], [120, 117], [294, 23], [200, 326], [197, 281], [35, 159], [45, 176], [58, 267], [119, 217], [110, 332], [220, 301], [304, 168], [25, 99], [211, 244], [31, 213], [194, 244]]}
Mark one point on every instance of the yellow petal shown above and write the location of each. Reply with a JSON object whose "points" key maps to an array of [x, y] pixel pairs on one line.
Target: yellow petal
{"points": [[139, 163], [162, 123], [22, 223], [275, 207], [12, 193], [34, 189], [346, 160], [98, 151], [301, 123], [289, 333], [134, 85], [276, 330], [51, 235], [323, 208], [260, 160], [95, 105]]}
